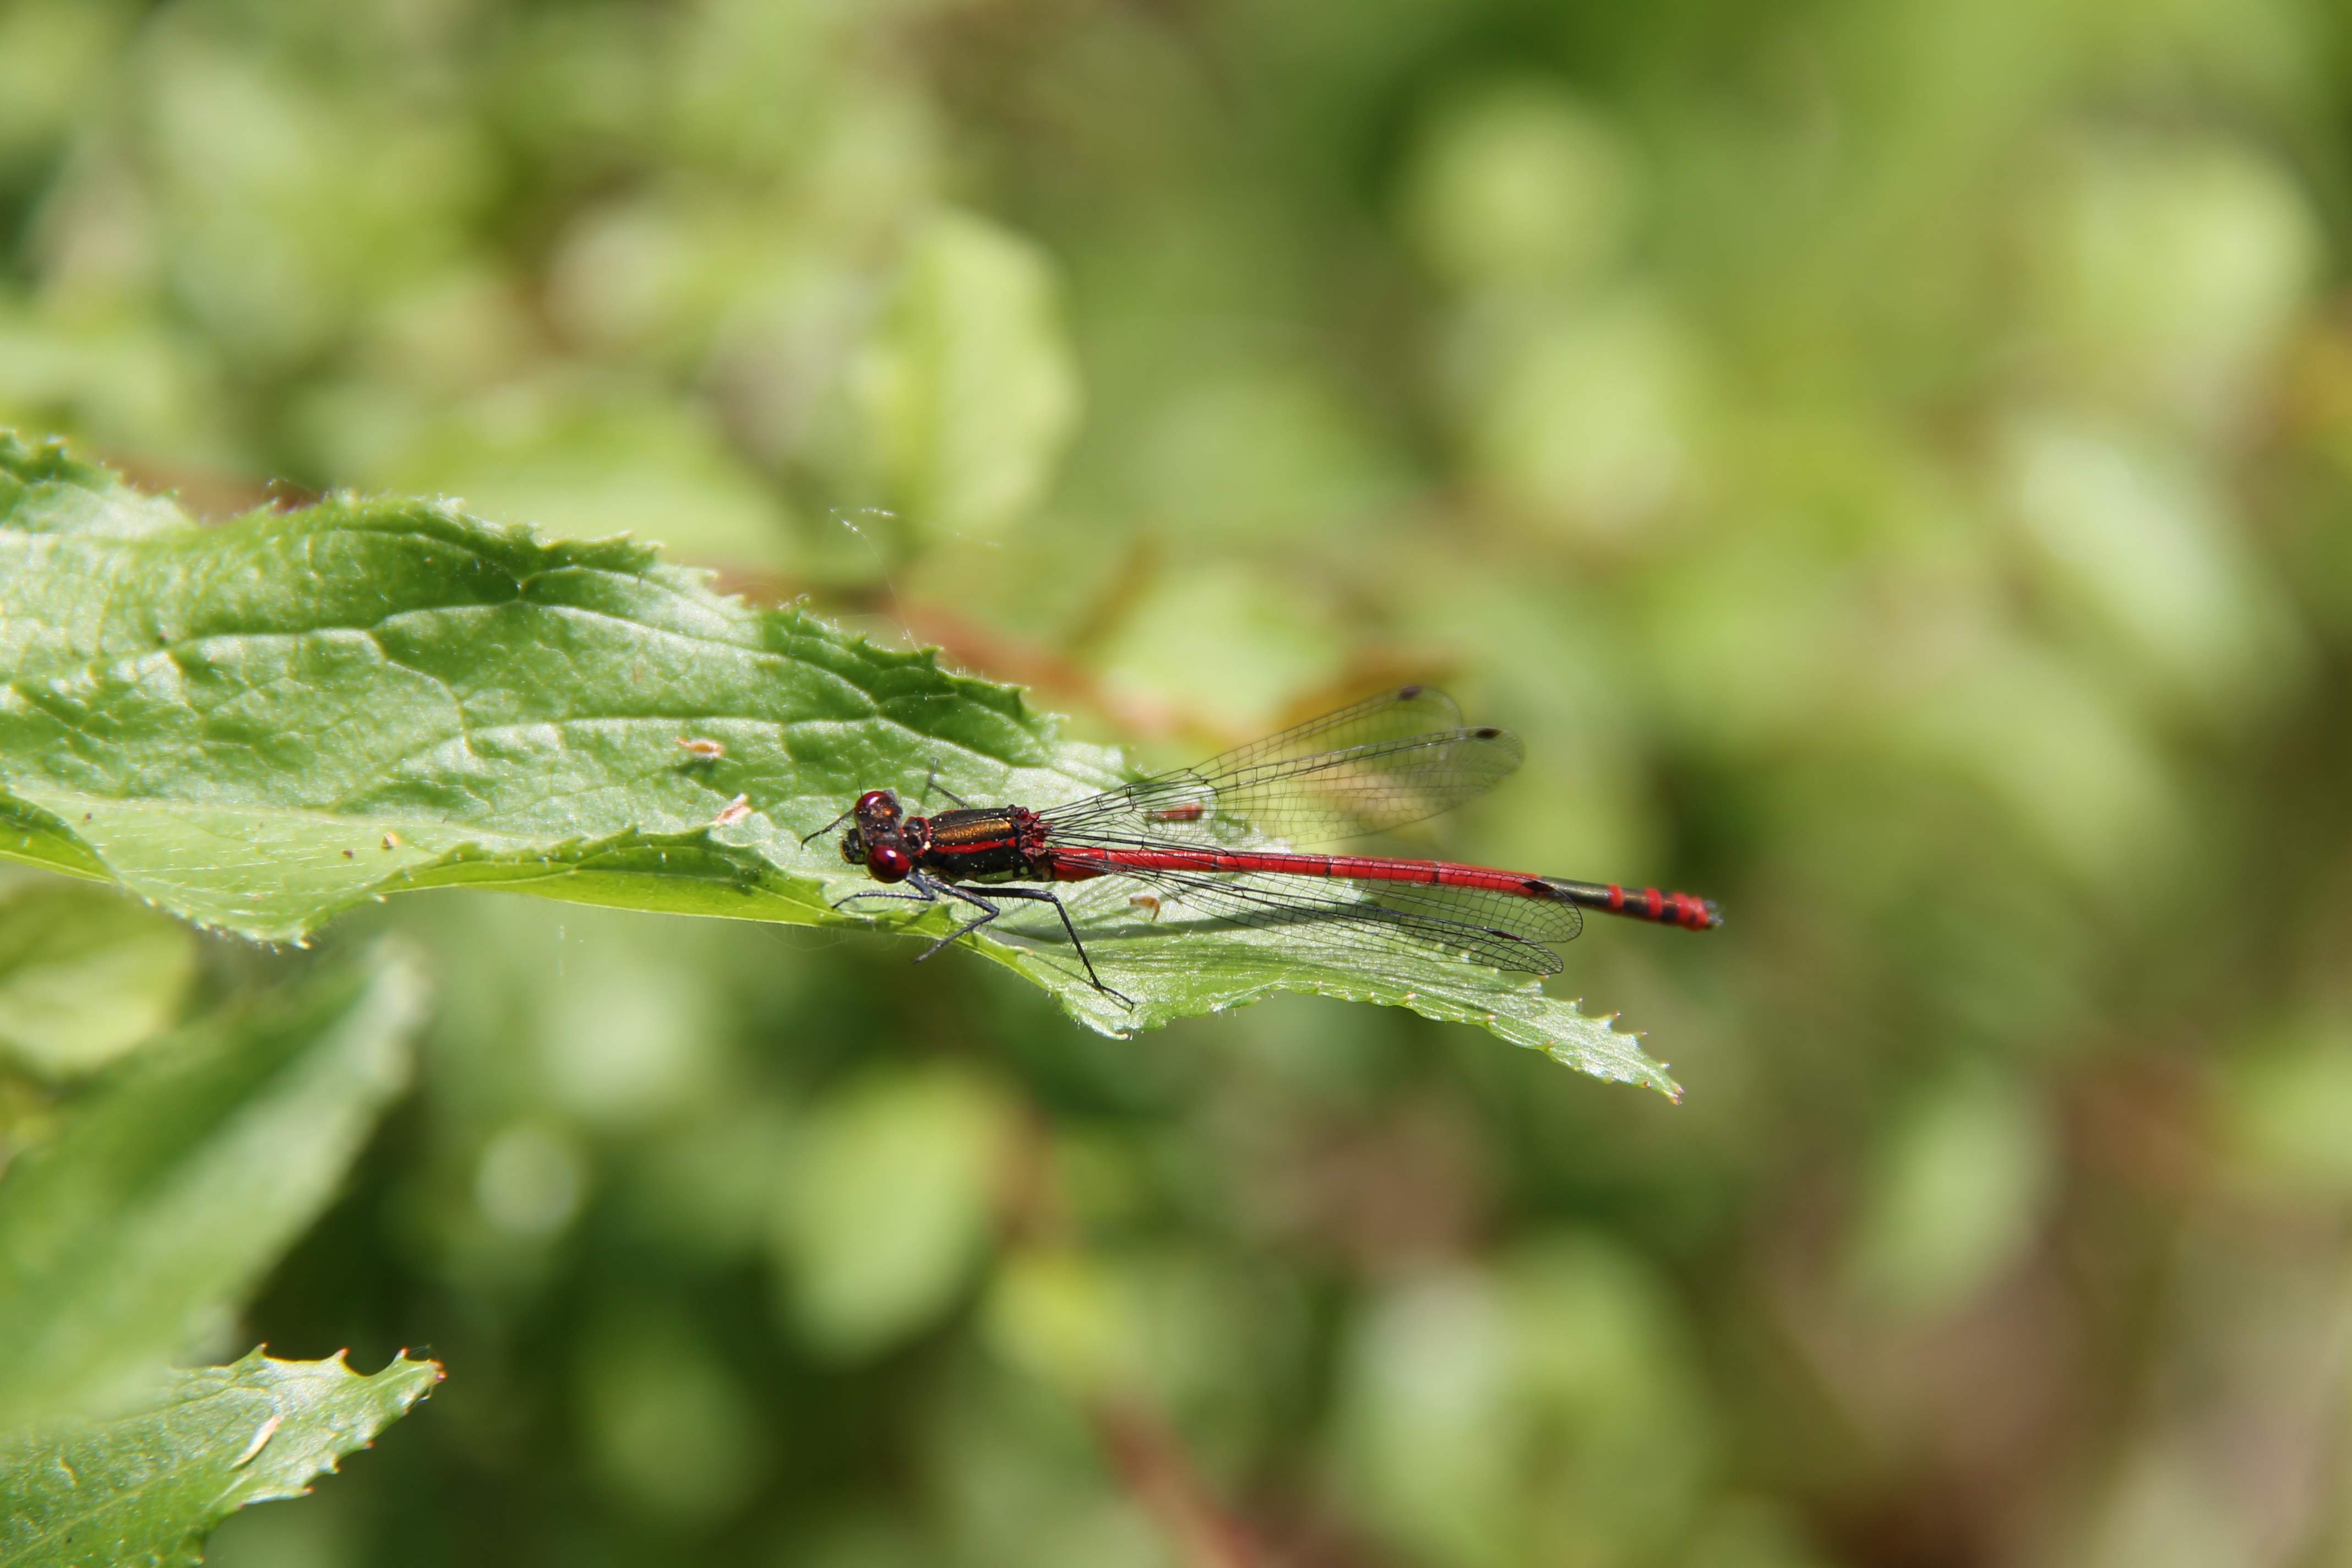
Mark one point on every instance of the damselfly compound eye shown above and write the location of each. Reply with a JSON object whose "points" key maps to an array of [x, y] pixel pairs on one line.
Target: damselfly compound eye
{"points": [[888, 863]]}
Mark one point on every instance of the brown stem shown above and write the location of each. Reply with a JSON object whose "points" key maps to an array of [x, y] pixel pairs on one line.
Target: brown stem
{"points": [[1158, 1476]]}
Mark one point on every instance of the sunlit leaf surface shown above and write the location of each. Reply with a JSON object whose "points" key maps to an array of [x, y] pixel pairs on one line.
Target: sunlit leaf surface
{"points": [[262, 724]]}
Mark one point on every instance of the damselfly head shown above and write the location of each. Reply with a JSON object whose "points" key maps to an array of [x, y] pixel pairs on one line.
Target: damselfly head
{"points": [[874, 840]]}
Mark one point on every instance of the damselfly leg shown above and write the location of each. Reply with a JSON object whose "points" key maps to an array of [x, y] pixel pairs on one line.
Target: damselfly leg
{"points": [[925, 889]]}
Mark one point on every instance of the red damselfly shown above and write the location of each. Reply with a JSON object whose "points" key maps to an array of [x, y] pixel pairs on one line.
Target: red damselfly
{"points": [[1209, 841]]}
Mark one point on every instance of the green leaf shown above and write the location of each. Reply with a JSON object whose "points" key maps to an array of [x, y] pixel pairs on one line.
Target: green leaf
{"points": [[262, 724], [148, 1484], [84, 973], [172, 1187]]}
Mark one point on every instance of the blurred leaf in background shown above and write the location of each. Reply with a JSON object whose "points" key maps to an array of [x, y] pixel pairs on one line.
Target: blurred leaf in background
{"points": [[966, 391], [885, 1206], [85, 974], [169, 1189]]}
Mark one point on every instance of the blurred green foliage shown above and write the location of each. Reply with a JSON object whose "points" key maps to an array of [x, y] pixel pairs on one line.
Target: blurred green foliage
{"points": [[1894, 463], [145, 1219]]}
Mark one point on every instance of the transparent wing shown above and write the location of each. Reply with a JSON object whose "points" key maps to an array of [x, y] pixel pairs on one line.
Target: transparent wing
{"points": [[1384, 763], [1355, 925]]}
